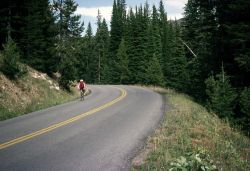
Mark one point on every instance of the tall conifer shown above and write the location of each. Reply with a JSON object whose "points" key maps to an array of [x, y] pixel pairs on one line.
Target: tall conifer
{"points": [[70, 29]]}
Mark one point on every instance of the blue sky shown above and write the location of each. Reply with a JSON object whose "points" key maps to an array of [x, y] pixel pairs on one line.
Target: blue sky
{"points": [[88, 8]]}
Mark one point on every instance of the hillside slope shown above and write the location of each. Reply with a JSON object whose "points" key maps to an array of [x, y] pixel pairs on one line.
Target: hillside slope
{"points": [[32, 92], [192, 138]]}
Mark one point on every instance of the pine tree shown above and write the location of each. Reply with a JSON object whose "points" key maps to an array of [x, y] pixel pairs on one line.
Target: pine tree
{"points": [[178, 62], [129, 36], [9, 60], [245, 107], [191, 24], [80, 57], [67, 70], [154, 73], [166, 38], [218, 31], [116, 33], [88, 50], [233, 46], [30, 24], [200, 33], [96, 59], [99, 59], [121, 64], [70, 29], [221, 95], [12, 19], [138, 54], [104, 34], [156, 37], [38, 36]]}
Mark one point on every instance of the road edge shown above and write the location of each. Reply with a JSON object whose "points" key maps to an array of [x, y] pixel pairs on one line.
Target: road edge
{"points": [[141, 147]]}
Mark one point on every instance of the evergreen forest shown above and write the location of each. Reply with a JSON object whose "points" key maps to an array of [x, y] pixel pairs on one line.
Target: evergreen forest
{"points": [[206, 54]]}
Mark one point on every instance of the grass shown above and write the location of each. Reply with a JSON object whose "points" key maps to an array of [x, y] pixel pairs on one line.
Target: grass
{"points": [[50, 98], [30, 94], [191, 138]]}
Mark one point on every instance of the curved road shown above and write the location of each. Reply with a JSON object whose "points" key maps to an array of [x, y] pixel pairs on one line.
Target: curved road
{"points": [[101, 133]]}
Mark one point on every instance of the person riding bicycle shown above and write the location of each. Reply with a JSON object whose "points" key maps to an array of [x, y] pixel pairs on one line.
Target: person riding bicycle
{"points": [[82, 88]]}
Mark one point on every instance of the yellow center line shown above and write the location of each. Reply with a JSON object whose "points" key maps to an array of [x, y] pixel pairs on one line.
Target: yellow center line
{"points": [[63, 123]]}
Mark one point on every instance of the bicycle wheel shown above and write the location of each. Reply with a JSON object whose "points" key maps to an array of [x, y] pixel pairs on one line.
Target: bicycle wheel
{"points": [[82, 95]]}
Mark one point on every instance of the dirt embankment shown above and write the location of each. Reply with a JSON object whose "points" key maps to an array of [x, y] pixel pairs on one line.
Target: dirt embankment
{"points": [[33, 91]]}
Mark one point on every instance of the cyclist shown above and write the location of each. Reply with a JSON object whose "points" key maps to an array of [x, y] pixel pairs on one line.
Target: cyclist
{"points": [[82, 88]]}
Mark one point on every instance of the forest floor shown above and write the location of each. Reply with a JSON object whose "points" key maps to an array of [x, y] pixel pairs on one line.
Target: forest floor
{"points": [[191, 138], [32, 92]]}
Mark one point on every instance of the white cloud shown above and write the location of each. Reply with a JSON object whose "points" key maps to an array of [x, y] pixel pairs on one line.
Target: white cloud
{"points": [[174, 8], [174, 16], [93, 12], [176, 3]]}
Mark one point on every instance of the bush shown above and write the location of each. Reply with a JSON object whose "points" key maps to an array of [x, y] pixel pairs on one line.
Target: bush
{"points": [[245, 106], [67, 71], [200, 161], [245, 101], [9, 58], [221, 95]]}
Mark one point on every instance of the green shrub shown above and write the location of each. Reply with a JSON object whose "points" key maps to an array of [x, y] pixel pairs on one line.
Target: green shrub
{"points": [[67, 70], [221, 95], [245, 106], [198, 161], [9, 60], [245, 101]]}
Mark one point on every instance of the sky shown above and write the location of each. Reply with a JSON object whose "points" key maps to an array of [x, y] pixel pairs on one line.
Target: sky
{"points": [[88, 9]]}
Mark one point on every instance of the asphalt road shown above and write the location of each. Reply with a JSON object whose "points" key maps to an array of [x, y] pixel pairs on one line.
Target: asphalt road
{"points": [[101, 133]]}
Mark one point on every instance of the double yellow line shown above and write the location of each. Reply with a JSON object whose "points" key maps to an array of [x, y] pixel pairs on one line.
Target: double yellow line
{"points": [[63, 123]]}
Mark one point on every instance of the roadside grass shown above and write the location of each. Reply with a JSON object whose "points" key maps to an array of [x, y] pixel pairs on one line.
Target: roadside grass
{"points": [[30, 94], [191, 138], [48, 97]]}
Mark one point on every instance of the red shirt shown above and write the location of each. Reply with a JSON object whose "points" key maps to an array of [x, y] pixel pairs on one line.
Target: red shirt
{"points": [[82, 85]]}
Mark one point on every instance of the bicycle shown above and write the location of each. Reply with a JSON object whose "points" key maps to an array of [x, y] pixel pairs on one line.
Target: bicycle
{"points": [[82, 93]]}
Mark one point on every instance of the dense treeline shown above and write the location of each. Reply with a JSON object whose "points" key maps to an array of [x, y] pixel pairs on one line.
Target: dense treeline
{"points": [[205, 54], [218, 33]]}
